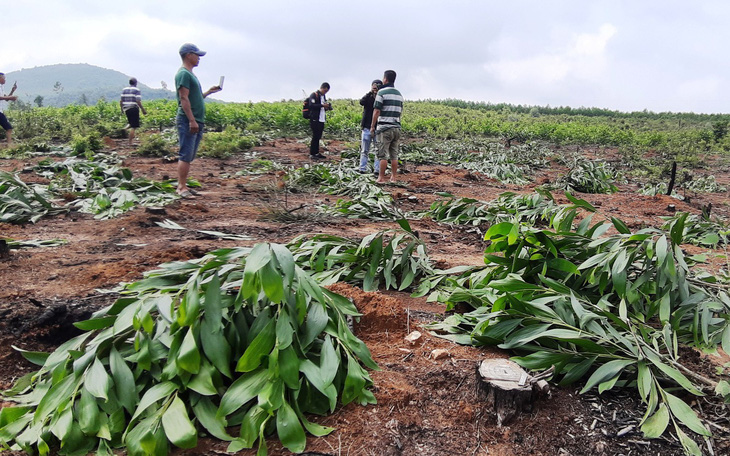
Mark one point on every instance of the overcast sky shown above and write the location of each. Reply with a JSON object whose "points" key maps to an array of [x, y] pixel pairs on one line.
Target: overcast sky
{"points": [[618, 54]]}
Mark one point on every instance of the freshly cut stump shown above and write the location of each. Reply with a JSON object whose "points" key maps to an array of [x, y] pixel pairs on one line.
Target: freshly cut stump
{"points": [[507, 388]]}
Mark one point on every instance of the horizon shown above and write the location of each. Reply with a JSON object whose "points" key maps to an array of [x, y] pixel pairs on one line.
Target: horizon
{"points": [[437, 100]]}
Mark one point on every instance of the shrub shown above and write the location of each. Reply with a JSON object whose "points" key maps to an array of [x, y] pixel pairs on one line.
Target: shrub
{"points": [[154, 145], [226, 143]]}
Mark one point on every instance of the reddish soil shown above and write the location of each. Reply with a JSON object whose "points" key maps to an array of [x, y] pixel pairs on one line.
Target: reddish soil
{"points": [[425, 406]]}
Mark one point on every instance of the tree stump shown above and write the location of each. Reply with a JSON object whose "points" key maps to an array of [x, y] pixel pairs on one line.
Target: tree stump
{"points": [[509, 389], [4, 249]]}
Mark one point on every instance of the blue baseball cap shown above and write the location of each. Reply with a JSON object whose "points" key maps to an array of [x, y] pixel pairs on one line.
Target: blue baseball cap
{"points": [[188, 48]]}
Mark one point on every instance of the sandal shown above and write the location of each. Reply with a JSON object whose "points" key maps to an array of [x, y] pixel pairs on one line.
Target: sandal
{"points": [[186, 195], [194, 192]]}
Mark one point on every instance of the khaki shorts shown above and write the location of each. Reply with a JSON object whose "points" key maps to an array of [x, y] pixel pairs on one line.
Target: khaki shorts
{"points": [[388, 142]]}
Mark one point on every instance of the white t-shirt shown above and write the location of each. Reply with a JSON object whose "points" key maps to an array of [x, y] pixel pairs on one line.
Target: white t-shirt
{"points": [[322, 115], [3, 103]]}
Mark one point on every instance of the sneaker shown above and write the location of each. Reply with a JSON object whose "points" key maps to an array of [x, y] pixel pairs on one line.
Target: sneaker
{"points": [[362, 171], [317, 157]]}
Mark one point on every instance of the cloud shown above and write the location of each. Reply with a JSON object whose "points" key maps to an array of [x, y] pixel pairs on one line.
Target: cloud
{"points": [[581, 58], [621, 54]]}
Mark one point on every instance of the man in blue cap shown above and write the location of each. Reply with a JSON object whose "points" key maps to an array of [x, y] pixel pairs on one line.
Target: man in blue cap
{"points": [[190, 113]]}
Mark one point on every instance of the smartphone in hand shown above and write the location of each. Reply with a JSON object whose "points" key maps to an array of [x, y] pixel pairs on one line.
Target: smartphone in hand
{"points": [[220, 82]]}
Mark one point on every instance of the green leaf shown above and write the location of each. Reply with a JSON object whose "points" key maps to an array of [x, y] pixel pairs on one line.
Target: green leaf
{"points": [[178, 427], [212, 305], [242, 390], [686, 415], [61, 428], [205, 411], [608, 371], [155, 393], [524, 335], [655, 425], [289, 429], [330, 361], [202, 382], [620, 226], [37, 358], [661, 251], [97, 381], [690, 446], [272, 282], [88, 413], [289, 367], [59, 393], [316, 321], [261, 346], [216, 347], [124, 384], [644, 380], [580, 202], [677, 229], [674, 374], [284, 330], [405, 225], [189, 356], [96, 323], [722, 388], [354, 382], [726, 339]]}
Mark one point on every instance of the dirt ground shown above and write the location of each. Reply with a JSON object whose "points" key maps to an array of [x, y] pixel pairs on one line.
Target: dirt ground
{"points": [[425, 406]]}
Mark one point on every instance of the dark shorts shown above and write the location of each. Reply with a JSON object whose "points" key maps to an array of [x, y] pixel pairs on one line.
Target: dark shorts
{"points": [[132, 117], [4, 122], [189, 142]]}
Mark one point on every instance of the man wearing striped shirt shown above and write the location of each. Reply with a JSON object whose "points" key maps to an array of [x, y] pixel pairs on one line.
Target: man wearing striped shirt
{"points": [[386, 125], [131, 103]]}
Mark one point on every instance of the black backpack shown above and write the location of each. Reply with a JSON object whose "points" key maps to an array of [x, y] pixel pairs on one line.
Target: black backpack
{"points": [[305, 108], [306, 113]]}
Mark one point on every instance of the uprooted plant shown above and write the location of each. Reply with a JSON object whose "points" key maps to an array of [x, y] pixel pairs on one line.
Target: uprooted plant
{"points": [[102, 187], [241, 337], [392, 258], [23, 203], [367, 200], [588, 176]]}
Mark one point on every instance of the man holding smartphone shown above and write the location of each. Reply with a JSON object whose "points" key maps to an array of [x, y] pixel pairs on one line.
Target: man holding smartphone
{"points": [[3, 104], [317, 106], [190, 114]]}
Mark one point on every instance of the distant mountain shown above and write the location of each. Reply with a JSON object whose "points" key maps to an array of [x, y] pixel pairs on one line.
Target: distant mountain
{"points": [[74, 83]]}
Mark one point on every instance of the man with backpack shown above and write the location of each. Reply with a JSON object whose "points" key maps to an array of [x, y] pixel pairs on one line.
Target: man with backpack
{"points": [[317, 105]]}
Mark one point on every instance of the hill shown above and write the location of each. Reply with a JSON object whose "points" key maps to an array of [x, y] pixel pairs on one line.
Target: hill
{"points": [[76, 83]]}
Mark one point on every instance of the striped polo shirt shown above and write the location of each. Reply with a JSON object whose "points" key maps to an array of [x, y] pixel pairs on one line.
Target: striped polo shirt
{"points": [[130, 97], [390, 103]]}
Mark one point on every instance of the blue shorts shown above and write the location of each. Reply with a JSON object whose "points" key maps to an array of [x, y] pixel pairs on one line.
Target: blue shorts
{"points": [[189, 142], [4, 122]]}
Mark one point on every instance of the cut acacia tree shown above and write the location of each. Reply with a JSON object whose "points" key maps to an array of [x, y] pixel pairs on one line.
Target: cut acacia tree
{"points": [[508, 388], [241, 343]]}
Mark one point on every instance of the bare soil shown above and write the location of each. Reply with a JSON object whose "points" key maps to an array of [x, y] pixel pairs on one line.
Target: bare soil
{"points": [[425, 406]]}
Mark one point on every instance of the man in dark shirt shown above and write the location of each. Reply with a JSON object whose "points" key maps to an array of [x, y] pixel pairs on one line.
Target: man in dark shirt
{"points": [[317, 106], [367, 103]]}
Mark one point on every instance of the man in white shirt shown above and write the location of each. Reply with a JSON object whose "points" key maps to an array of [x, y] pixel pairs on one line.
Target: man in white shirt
{"points": [[3, 104]]}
